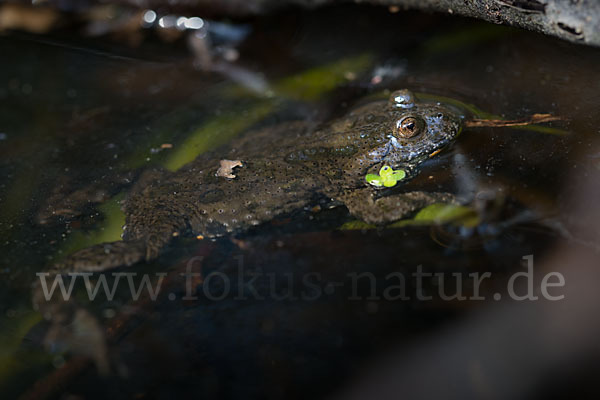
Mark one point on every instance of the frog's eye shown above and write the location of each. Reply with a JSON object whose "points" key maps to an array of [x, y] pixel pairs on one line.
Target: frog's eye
{"points": [[408, 127]]}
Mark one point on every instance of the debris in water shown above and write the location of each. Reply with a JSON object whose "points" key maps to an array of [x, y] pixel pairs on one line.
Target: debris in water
{"points": [[498, 123], [226, 168]]}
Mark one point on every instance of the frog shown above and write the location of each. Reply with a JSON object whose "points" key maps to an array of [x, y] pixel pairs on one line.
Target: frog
{"points": [[273, 171]]}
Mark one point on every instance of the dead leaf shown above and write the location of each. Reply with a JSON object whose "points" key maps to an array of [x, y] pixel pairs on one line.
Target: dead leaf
{"points": [[226, 168], [28, 18]]}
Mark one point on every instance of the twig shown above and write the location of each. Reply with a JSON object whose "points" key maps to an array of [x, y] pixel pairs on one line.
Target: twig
{"points": [[497, 123]]}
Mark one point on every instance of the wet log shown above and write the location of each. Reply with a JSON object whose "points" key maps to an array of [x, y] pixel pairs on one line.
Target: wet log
{"points": [[573, 20]]}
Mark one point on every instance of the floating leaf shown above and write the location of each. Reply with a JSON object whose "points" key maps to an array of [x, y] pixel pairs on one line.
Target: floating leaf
{"points": [[374, 180], [356, 225], [440, 213], [311, 84], [110, 230], [433, 214], [15, 359], [387, 177], [216, 132]]}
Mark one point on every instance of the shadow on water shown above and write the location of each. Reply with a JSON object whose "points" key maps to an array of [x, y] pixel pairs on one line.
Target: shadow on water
{"points": [[297, 306]]}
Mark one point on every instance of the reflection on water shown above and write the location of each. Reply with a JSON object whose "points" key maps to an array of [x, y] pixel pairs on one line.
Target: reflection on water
{"points": [[79, 125]]}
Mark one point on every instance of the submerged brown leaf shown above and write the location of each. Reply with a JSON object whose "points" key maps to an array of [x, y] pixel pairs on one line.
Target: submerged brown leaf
{"points": [[28, 18]]}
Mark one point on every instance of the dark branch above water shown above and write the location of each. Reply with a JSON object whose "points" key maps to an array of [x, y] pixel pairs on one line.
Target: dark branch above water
{"points": [[573, 20]]}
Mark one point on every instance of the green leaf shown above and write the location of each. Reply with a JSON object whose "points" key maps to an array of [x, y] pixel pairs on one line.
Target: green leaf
{"points": [[216, 132], [310, 85], [373, 179], [386, 171], [399, 175], [356, 225], [109, 229], [440, 213], [433, 214], [389, 182], [387, 177]]}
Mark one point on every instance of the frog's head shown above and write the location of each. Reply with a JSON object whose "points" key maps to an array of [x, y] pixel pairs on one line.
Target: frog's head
{"points": [[417, 131], [400, 132]]}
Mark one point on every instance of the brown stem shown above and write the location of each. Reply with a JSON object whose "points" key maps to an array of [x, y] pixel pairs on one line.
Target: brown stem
{"points": [[497, 123]]}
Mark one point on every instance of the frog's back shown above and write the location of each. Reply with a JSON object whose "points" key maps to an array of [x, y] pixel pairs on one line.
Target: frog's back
{"points": [[261, 184]]}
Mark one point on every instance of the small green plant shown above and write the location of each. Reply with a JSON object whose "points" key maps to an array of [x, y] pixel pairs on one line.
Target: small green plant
{"points": [[387, 177]]}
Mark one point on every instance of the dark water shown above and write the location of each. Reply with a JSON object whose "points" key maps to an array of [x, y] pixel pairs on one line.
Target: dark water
{"points": [[75, 114]]}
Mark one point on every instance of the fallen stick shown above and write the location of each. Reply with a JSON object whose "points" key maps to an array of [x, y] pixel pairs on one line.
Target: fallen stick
{"points": [[498, 123]]}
